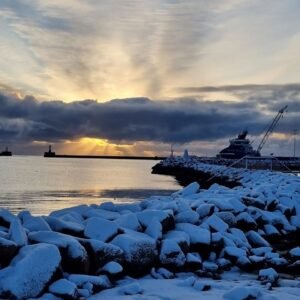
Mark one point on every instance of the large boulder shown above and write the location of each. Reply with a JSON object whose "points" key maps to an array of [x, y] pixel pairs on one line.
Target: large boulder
{"points": [[30, 272], [139, 251], [74, 255]]}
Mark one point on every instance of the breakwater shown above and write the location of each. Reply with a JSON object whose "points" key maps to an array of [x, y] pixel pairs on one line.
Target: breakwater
{"points": [[82, 250]]}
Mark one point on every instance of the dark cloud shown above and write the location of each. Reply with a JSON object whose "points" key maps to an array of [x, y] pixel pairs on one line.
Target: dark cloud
{"points": [[130, 120]]}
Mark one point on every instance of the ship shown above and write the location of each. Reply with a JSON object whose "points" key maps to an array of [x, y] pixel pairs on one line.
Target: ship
{"points": [[6, 152], [238, 148]]}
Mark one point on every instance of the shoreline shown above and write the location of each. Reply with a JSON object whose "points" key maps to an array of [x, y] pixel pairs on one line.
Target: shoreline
{"points": [[201, 233]]}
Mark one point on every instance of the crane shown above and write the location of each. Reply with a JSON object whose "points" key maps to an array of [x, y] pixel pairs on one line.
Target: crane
{"points": [[271, 128]]}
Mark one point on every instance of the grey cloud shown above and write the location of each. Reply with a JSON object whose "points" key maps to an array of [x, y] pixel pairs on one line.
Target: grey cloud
{"points": [[130, 120]]}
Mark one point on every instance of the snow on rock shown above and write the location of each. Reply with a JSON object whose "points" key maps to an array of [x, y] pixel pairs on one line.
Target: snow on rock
{"points": [[171, 255], [17, 233], [154, 229], [6, 217], [131, 289], [74, 256], [32, 223], [129, 221], [205, 210], [112, 268], [216, 224], [295, 252], [191, 189], [200, 238], [243, 293], [94, 283], [139, 249], [64, 288], [166, 218], [187, 216], [29, 272], [256, 240], [8, 249], [181, 238], [194, 261], [100, 229], [101, 253], [268, 276], [67, 227]]}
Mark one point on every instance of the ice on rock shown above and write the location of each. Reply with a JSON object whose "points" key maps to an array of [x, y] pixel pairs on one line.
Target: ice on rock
{"points": [[64, 288], [191, 189], [171, 254], [29, 272], [100, 229]]}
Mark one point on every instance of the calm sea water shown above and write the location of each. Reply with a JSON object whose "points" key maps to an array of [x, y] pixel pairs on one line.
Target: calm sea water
{"points": [[42, 185]]}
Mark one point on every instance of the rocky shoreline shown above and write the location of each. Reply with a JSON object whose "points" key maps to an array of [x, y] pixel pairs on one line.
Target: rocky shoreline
{"points": [[76, 252]]}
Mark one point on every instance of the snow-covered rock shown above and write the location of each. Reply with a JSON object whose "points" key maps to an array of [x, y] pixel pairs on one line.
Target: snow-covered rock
{"points": [[131, 289], [29, 272], [139, 249], [64, 288], [100, 229], [74, 255], [94, 283], [268, 276], [191, 189], [171, 255]]}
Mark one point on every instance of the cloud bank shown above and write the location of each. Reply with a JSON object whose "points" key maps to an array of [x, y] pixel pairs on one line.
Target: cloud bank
{"points": [[131, 120]]}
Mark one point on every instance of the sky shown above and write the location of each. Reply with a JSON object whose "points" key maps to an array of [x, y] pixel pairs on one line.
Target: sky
{"points": [[133, 77]]}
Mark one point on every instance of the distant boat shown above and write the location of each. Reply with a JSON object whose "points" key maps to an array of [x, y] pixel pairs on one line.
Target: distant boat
{"points": [[49, 153], [6, 152]]}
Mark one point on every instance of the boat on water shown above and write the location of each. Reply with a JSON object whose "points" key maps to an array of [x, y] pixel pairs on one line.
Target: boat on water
{"points": [[238, 148], [6, 152]]}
